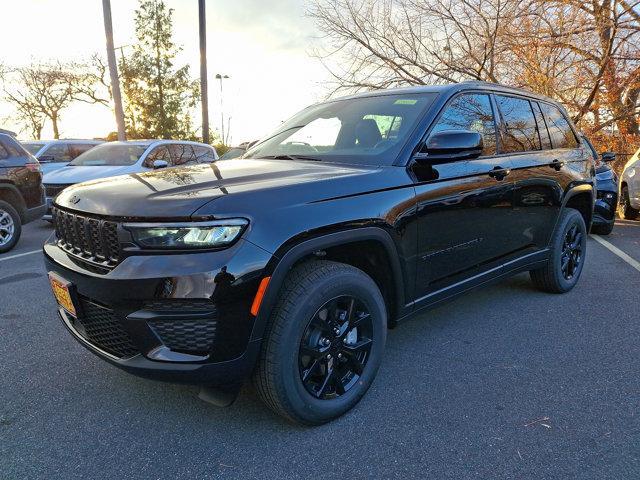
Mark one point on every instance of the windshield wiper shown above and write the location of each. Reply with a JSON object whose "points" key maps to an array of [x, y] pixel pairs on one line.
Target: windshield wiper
{"points": [[290, 157]]}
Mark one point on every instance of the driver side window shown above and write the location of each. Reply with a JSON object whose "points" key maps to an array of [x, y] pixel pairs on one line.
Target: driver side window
{"points": [[473, 112], [158, 153]]}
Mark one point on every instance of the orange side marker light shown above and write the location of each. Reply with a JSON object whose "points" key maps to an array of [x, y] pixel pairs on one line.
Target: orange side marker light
{"points": [[255, 307]]}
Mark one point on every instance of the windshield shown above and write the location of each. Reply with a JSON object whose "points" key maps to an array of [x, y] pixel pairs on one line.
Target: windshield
{"points": [[365, 130], [110, 154], [31, 147]]}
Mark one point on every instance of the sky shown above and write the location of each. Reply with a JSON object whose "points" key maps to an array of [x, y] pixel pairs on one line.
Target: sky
{"points": [[264, 46]]}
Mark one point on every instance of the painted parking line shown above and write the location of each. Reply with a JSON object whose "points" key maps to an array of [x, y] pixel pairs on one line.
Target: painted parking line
{"points": [[20, 255], [631, 261]]}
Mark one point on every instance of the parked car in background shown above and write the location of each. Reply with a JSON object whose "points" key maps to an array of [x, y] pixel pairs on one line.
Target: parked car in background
{"points": [[237, 152], [21, 193], [290, 263], [630, 188], [55, 154], [121, 158], [604, 212]]}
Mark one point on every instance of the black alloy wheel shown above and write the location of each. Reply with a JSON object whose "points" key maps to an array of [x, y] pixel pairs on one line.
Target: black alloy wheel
{"points": [[323, 344], [571, 252], [567, 253], [335, 347]]}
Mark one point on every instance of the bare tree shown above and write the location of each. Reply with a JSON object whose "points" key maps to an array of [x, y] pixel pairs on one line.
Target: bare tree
{"points": [[586, 54], [44, 90]]}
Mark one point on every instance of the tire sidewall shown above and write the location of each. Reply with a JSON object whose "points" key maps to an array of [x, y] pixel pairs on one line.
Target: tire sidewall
{"points": [[16, 223], [353, 283], [572, 218]]}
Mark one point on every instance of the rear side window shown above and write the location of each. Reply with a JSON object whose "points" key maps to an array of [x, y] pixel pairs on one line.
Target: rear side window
{"points": [[3, 152], [182, 154], [562, 135], [470, 111], [204, 154], [520, 128], [542, 127]]}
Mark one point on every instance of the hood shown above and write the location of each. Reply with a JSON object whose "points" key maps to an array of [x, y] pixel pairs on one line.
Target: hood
{"points": [[70, 174], [178, 192]]}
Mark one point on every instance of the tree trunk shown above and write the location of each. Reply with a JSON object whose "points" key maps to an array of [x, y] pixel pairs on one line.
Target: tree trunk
{"points": [[113, 70], [54, 123], [204, 94]]}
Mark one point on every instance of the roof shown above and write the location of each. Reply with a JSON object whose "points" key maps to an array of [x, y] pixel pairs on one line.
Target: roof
{"points": [[149, 142], [449, 88], [65, 140]]}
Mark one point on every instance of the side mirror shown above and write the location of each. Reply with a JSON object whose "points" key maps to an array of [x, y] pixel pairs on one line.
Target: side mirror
{"points": [[46, 158], [608, 157], [450, 146], [160, 164]]}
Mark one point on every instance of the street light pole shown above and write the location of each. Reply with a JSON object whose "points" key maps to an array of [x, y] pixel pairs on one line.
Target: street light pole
{"points": [[203, 71], [220, 77], [113, 69]]}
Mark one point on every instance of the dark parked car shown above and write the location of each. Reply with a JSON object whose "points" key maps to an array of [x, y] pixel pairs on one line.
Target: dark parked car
{"points": [[290, 264], [604, 212], [21, 191]]}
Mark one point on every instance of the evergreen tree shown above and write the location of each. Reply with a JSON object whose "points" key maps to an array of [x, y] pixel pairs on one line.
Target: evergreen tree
{"points": [[158, 95]]}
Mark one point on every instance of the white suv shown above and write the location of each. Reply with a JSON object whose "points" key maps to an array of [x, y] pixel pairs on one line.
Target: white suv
{"points": [[55, 154], [630, 188], [121, 158]]}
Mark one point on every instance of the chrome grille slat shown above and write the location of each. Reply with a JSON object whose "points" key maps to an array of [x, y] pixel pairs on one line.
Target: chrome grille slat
{"points": [[91, 239]]}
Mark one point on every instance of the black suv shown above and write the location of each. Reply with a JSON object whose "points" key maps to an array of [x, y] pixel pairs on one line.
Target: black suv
{"points": [[21, 191], [290, 264]]}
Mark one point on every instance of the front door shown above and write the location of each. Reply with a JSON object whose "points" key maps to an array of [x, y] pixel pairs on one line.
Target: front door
{"points": [[464, 208]]}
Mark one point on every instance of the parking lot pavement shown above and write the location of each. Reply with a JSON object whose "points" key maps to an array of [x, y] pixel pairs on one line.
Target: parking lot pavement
{"points": [[505, 382]]}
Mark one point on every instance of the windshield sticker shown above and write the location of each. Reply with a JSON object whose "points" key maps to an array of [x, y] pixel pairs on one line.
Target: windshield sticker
{"points": [[405, 101]]}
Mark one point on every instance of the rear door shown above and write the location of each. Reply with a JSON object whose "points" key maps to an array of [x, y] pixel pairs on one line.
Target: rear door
{"points": [[463, 207], [541, 145]]}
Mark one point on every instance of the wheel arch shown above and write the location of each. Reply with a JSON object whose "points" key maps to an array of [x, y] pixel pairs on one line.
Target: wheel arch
{"points": [[323, 247], [10, 194], [581, 198]]}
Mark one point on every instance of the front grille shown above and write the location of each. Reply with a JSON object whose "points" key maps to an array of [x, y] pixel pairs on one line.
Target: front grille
{"points": [[186, 336], [91, 239], [53, 189], [100, 327]]}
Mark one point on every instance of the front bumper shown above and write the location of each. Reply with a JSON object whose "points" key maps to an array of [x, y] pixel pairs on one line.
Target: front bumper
{"points": [[604, 211], [34, 213], [168, 317]]}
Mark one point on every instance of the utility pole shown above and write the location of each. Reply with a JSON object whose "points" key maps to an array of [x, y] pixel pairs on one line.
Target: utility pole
{"points": [[113, 69], [220, 77], [203, 71]]}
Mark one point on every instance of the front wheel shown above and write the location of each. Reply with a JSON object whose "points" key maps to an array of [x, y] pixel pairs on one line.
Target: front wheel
{"points": [[324, 342], [626, 210], [10, 227], [566, 260]]}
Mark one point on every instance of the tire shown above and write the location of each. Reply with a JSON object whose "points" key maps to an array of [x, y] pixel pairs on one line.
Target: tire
{"points": [[10, 227], [604, 229], [626, 210], [302, 312], [552, 278]]}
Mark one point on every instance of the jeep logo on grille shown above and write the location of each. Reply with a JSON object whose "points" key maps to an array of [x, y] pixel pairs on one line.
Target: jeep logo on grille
{"points": [[75, 199]]}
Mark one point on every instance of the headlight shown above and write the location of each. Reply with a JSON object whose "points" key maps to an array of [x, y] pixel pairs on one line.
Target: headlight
{"points": [[218, 233]]}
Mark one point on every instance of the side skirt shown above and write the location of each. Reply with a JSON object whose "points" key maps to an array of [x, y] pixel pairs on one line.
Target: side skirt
{"points": [[523, 264]]}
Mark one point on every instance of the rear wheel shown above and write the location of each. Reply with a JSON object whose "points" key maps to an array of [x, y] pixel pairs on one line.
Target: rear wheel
{"points": [[626, 210], [324, 343], [10, 227], [568, 249]]}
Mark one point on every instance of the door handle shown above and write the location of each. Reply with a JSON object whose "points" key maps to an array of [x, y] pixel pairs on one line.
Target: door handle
{"points": [[557, 164], [499, 173]]}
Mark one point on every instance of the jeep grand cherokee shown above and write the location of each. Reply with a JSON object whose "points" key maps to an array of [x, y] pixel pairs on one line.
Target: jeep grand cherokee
{"points": [[290, 264]]}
